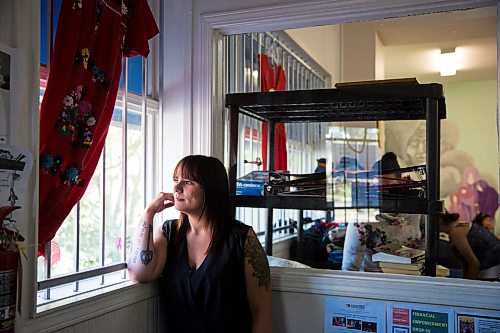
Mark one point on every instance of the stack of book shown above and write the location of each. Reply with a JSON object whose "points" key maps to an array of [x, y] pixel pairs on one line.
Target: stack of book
{"points": [[416, 268], [397, 259], [412, 269]]}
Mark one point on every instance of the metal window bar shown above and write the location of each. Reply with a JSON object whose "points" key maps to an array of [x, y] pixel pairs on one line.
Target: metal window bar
{"points": [[144, 126], [76, 249], [125, 155], [103, 213], [49, 35], [74, 277]]}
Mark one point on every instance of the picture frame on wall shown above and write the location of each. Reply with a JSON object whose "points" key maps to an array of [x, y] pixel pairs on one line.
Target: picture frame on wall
{"points": [[9, 78]]}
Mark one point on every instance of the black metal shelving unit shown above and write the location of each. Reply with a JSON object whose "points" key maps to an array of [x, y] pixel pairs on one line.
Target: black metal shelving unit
{"points": [[354, 102]]}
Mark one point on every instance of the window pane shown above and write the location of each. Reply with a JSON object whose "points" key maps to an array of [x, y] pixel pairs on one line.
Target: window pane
{"points": [[135, 179], [62, 248], [114, 190], [90, 221], [43, 32], [100, 215], [135, 74]]}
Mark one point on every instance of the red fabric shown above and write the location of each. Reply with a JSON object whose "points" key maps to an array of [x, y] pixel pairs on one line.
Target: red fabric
{"points": [[91, 39], [272, 78]]}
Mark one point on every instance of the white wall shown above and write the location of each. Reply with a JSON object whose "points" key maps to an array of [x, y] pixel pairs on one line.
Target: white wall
{"points": [[19, 29], [323, 45], [299, 295], [472, 107], [359, 47], [176, 31]]}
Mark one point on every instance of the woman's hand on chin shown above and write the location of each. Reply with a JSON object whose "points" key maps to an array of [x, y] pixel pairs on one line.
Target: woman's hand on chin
{"points": [[161, 202]]}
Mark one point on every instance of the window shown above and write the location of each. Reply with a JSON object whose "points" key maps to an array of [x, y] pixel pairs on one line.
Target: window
{"points": [[306, 142], [355, 148], [301, 72], [89, 251]]}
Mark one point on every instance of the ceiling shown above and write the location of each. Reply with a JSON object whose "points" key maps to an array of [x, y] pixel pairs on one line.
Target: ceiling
{"points": [[411, 45]]}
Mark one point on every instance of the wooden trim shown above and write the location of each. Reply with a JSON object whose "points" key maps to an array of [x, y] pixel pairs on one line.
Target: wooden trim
{"points": [[312, 13]]}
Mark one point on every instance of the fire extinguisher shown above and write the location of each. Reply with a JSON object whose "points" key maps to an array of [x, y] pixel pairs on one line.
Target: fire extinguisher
{"points": [[9, 258]]}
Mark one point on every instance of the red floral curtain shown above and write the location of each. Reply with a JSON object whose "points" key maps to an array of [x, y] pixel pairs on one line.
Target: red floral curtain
{"points": [[272, 78], [92, 37]]}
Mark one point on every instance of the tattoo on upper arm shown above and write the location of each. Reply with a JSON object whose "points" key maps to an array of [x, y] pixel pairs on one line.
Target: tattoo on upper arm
{"points": [[147, 254], [257, 259]]}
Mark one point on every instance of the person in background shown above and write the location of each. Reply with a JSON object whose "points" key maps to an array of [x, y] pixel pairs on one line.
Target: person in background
{"points": [[213, 272], [321, 167], [478, 248], [349, 163], [362, 238], [484, 220]]}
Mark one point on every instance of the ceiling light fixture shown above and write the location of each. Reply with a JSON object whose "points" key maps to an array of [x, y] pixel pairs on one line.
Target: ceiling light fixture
{"points": [[448, 62]]}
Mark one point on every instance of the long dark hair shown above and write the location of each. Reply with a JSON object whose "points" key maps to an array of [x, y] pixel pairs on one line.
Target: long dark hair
{"points": [[389, 161], [210, 173]]}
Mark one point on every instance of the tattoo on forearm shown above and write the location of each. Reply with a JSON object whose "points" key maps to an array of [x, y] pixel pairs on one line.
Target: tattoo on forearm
{"points": [[144, 226], [147, 255], [258, 261]]}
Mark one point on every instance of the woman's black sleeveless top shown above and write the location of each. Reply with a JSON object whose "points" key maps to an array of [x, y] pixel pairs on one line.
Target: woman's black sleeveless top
{"points": [[212, 298]]}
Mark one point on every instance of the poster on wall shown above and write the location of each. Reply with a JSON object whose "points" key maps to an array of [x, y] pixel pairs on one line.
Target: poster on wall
{"points": [[5, 91], [466, 188], [354, 315], [10, 90], [475, 322], [406, 318]]}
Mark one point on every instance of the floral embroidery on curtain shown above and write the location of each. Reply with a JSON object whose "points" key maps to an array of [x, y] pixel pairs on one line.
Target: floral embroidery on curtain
{"points": [[92, 38]]}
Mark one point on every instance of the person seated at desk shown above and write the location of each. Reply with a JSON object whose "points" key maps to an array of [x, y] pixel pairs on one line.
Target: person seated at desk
{"points": [[361, 238], [479, 249]]}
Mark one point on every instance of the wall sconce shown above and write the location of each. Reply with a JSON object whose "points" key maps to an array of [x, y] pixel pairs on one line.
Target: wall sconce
{"points": [[448, 62]]}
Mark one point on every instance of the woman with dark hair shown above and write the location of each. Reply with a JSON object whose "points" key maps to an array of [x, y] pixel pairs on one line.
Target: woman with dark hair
{"points": [[484, 220], [478, 248], [214, 275]]}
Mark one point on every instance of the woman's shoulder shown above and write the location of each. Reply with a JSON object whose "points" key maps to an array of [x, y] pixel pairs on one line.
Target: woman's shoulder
{"points": [[169, 226], [170, 223], [239, 227]]}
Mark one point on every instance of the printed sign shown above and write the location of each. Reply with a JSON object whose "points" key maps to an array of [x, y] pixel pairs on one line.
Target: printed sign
{"points": [[406, 318], [354, 315], [477, 323]]}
